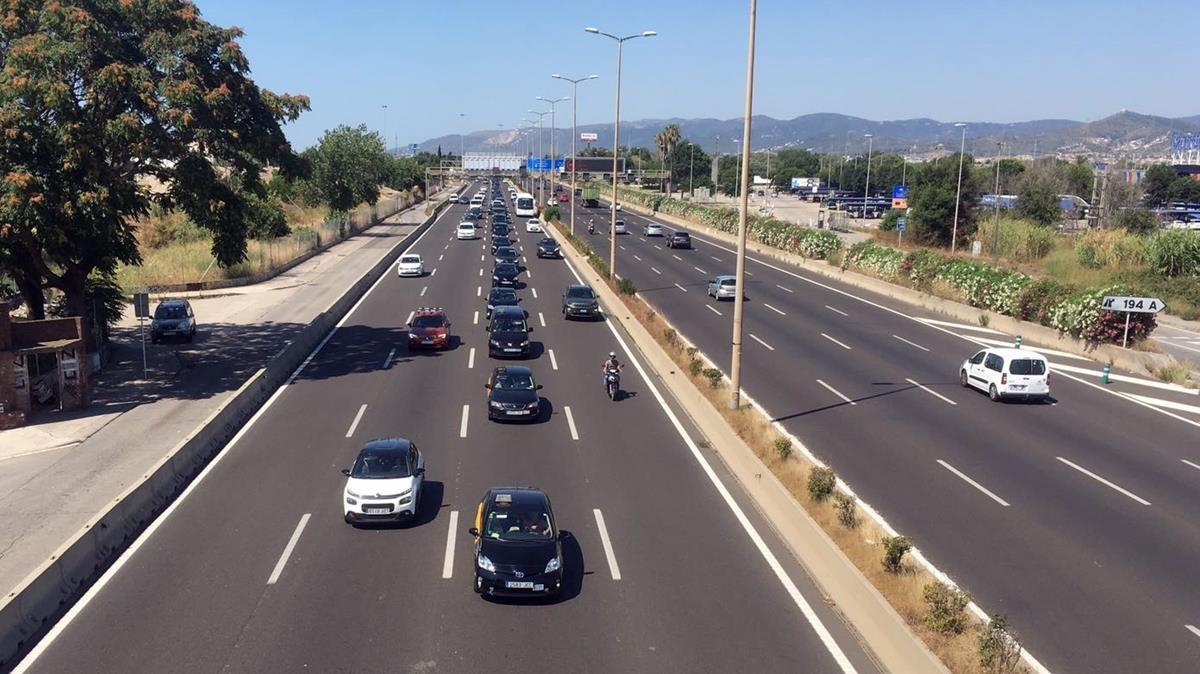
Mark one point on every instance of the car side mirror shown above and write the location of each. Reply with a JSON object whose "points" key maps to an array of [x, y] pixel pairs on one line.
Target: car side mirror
{"points": [[488, 329], [538, 387], [473, 531], [487, 386], [420, 471], [518, 300], [529, 329], [346, 472], [563, 535]]}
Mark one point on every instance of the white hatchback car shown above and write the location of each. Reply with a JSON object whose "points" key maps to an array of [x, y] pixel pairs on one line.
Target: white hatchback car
{"points": [[1007, 373], [384, 484], [410, 264], [652, 229], [533, 226], [466, 231], [620, 227]]}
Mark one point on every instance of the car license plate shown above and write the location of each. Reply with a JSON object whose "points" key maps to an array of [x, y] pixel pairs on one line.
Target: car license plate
{"points": [[1017, 387], [519, 584], [518, 411], [512, 351], [427, 341], [376, 511]]}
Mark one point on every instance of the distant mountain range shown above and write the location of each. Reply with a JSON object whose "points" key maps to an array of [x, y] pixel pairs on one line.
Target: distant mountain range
{"points": [[1125, 134]]}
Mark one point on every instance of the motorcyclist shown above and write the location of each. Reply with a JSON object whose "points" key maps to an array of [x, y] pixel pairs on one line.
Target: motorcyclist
{"points": [[591, 228], [613, 365]]}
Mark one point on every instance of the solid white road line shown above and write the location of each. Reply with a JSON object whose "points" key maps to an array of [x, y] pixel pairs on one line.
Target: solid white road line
{"points": [[1193, 629], [608, 549], [1103, 481], [475, 321], [681, 287], [1060, 368], [287, 550], [534, 291], [713, 309], [1159, 402], [541, 319], [1193, 465], [388, 361], [960, 326], [755, 338], [789, 290], [655, 271], [774, 309], [423, 290], [836, 392], [451, 536], [357, 418], [910, 343], [769, 557], [408, 320], [553, 361], [462, 427], [836, 311], [471, 359], [973, 483], [571, 422], [835, 341], [930, 391]]}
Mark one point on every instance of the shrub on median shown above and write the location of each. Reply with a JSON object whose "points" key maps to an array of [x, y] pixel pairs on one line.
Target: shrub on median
{"points": [[894, 549], [821, 482], [945, 608]]}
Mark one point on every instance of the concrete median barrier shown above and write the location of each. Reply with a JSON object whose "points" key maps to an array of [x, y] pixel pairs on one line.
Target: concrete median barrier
{"points": [[31, 608]]}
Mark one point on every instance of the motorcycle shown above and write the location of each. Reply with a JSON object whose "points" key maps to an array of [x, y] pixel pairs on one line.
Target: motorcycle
{"points": [[612, 383], [591, 228]]}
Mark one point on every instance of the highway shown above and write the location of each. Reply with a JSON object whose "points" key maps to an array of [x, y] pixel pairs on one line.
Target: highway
{"points": [[1077, 519], [254, 570]]}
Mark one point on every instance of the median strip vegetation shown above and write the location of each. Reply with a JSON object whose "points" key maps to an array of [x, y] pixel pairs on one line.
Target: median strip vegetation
{"points": [[881, 558]]}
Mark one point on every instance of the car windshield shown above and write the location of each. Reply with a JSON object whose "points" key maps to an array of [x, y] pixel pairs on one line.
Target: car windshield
{"points": [[507, 381], [506, 253], [506, 268], [1027, 366], [410, 259], [504, 296], [508, 325], [728, 281], [547, 242], [170, 311], [429, 322], [580, 293], [380, 464], [519, 525]]}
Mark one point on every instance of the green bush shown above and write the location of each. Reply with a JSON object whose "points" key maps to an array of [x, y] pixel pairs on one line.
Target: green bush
{"points": [[1174, 253], [894, 549], [1137, 221], [922, 266], [1019, 239], [846, 510], [945, 611], [821, 482], [671, 337], [695, 365], [999, 649], [626, 286], [714, 377], [1038, 298], [884, 261], [783, 447], [890, 220], [551, 213]]}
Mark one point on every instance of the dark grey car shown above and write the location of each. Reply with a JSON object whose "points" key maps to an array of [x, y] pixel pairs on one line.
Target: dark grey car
{"points": [[580, 301]]}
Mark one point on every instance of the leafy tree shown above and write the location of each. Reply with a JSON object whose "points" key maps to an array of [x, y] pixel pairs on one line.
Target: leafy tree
{"points": [[1038, 201], [348, 166], [265, 218], [1137, 221], [932, 201], [690, 165], [1078, 178], [666, 141], [97, 99]]}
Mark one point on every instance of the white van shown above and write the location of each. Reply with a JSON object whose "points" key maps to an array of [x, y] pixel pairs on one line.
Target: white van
{"points": [[1007, 373]]}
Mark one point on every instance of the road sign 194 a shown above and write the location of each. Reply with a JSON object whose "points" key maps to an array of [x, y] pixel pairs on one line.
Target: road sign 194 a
{"points": [[1141, 305]]}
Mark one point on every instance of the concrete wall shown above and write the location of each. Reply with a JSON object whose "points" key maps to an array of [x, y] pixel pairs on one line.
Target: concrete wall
{"points": [[47, 593]]}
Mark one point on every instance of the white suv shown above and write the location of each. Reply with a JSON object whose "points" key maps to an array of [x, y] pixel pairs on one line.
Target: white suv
{"points": [[466, 231], [1007, 373], [533, 226], [410, 264]]}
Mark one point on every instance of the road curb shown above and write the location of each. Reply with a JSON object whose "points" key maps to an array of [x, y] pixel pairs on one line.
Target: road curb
{"points": [[879, 627], [36, 603]]}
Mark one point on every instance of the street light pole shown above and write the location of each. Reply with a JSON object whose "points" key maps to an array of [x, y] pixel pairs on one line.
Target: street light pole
{"points": [[612, 229], [541, 153], [461, 153], [574, 132], [691, 167], [385, 108], [958, 195], [553, 132], [867, 189], [735, 368], [996, 193]]}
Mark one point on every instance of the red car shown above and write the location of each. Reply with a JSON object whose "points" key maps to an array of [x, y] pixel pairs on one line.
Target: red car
{"points": [[429, 328], [562, 198]]}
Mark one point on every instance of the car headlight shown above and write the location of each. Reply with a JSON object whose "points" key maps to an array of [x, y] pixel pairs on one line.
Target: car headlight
{"points": [[351, 501], [494, 342], [495, 278], [496, 405], [484, 563], [525, 342], [351, 494], [554, 564]]}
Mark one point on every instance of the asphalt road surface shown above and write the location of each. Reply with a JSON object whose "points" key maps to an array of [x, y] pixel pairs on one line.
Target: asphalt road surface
{"points": [[1078, 519], [254, 569]]}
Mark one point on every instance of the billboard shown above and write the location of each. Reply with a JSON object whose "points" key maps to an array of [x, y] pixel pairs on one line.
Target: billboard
{"points": [[588, 137], [490, 161], [900, 196], [543, 164], [811, 184], [595, 164]]}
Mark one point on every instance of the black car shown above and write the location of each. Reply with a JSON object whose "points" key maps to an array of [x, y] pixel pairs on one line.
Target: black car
{"points": [[506, 254], [679, 240], [548, 247], [499, 229], [505, 274], [512, 394], [509, 336], [580, 301], [518, 547], [473, 213], [501, 297], [500, 241], [173, 318]]}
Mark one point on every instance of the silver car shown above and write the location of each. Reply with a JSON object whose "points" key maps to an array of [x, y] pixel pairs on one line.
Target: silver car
{"points": [[723, 287], [652, 229]]}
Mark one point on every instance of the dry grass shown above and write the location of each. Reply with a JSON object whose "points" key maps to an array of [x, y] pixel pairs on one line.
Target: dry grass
{"points": [[861, 544], [1175, 373]]}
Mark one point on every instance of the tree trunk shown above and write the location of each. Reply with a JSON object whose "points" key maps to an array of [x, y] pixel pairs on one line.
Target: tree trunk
{"points": [[77, 303], [30, 286]]}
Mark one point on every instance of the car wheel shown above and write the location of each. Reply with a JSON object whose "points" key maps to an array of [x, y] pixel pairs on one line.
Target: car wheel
{"points": [[993, 393], [347, 518], [962, 378]]}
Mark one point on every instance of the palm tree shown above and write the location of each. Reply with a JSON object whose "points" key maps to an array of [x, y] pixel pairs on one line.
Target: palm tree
{"points": [[667, 140]]}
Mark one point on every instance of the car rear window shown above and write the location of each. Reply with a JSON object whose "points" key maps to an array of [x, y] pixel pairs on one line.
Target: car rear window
{"points": [[410, 259], [682, 235], [429, 322], [1027, 366], [728, 281]]}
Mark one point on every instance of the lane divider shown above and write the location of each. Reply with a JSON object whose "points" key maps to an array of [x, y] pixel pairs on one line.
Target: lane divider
{"points": [[448, 561], [357, 418], [613, 568], [287, 550]]}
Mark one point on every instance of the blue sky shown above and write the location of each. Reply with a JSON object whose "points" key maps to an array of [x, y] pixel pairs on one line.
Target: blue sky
{"points": [[978, 60]]}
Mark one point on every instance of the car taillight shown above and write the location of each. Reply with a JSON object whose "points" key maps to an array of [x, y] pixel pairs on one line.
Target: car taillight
{"points": [[1003, 379]]}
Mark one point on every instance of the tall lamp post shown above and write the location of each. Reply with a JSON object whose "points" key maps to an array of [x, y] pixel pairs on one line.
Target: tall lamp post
{"points": [[867, 189], [385, 121], [735, 368], [574, 133], [612, 229], [553, 132], [541, 152], [529, 150], [962, 146], [996, 236]]}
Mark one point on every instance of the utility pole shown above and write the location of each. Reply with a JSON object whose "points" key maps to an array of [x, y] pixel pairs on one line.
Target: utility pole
{"points": [[996, 235], [574, 133], [867, 189], [735, 369], [958, 194]]}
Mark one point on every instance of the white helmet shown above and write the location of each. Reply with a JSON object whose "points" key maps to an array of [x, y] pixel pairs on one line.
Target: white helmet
{"points": [[612, 354]]}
